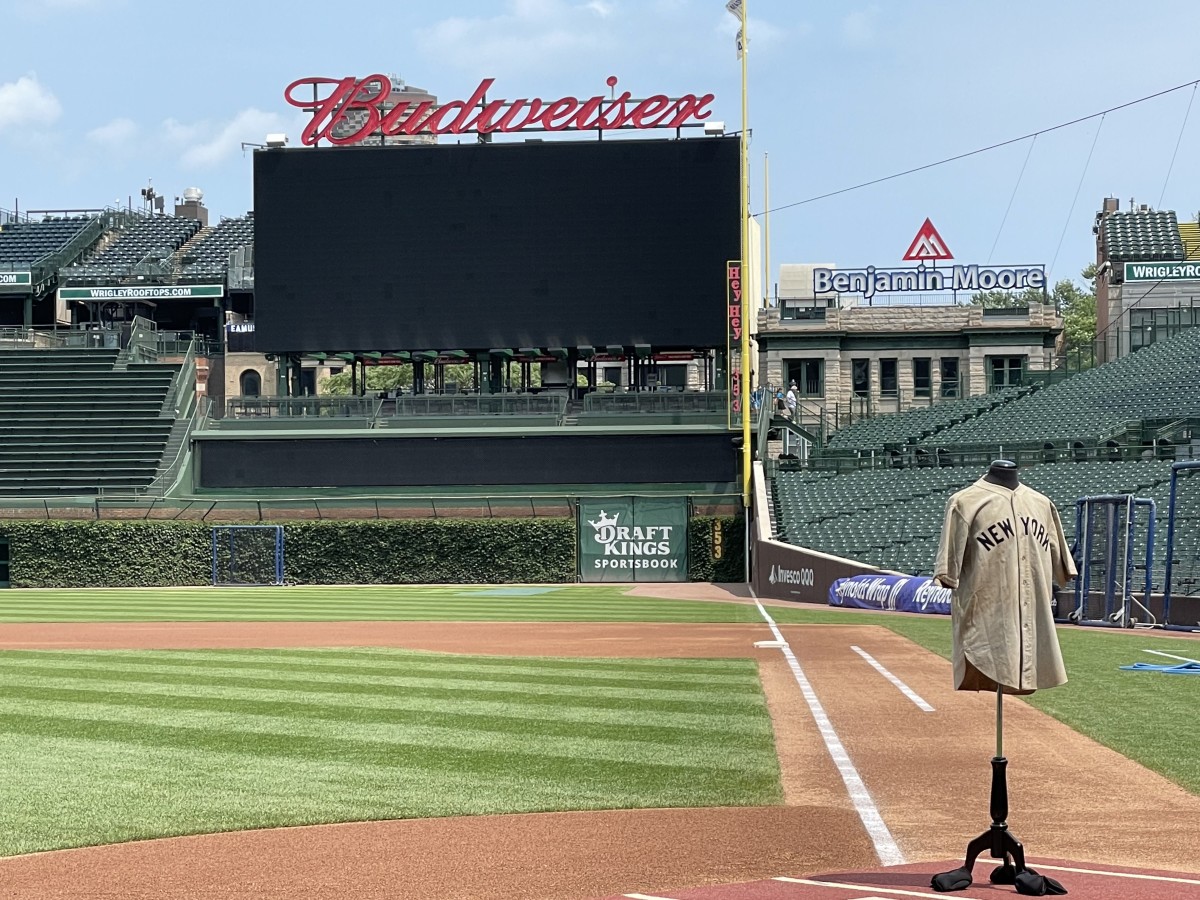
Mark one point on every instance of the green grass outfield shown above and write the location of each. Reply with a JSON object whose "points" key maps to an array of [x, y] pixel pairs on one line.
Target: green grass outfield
{"points": [[104, 746], [507, 603]]}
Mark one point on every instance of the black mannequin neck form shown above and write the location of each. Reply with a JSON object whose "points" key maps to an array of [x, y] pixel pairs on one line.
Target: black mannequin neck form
{"points": [[1004, 473]]}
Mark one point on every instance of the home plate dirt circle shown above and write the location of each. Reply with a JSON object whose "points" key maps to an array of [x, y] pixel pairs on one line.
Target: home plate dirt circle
{"points": [[927, 772]]}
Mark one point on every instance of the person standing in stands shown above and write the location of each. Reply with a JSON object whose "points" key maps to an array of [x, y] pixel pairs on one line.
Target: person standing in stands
{"points": [[791, 401], [781, 407]]}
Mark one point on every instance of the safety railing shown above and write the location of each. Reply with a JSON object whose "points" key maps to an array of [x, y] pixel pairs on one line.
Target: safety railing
{"points": [[302, 407]]}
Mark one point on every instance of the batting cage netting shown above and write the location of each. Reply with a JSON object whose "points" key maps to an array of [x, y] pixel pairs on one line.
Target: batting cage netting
{"points": [[1182, 576], [247, 555], [1115, 555]]}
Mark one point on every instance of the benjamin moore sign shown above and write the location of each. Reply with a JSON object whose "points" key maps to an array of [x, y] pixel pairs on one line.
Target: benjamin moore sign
{"points": [[149, 292], [15, 281], [633, 539], [925, 279], [1162, 271]]}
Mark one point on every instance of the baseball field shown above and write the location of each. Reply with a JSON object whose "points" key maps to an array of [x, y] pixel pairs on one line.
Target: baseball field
{"points": [[534, 723]]}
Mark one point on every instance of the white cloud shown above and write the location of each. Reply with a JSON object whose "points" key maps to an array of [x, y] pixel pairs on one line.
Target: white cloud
{"points": [[117, 133], [205, 144], [859, 27], [26, 102], [532, 33]]}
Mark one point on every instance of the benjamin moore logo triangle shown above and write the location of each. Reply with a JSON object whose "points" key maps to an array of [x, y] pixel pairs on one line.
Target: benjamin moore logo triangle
{"points": [[928, 244]]}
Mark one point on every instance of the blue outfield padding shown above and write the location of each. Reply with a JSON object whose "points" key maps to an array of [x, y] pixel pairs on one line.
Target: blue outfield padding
{"points": [[900, 593], [1188, 668]]}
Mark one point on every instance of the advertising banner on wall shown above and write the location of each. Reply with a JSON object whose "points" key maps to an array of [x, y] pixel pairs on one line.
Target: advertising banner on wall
{"points": [[786, 572], [16, 282], [633, 539], [890, 592], [733, 338]]}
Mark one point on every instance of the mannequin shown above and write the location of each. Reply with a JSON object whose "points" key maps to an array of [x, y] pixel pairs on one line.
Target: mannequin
{"points": [[1002, 550], [1004, 473]]}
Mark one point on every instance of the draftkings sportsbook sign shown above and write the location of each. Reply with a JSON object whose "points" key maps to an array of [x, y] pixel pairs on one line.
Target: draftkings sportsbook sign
{"points": [[633, 539]]}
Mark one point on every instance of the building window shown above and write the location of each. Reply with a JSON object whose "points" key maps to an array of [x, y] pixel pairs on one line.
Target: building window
{"points": [[889, 384], [860, 377], [923, 377], [251, 383], [949, 380], [1005, 371], [809, 377]]}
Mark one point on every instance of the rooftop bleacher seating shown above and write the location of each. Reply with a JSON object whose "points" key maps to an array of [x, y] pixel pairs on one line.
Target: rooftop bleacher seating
{"points": [[1161, 381], [915, 425], [208, 255], [72, 423], [24, 243], [154, 237]]}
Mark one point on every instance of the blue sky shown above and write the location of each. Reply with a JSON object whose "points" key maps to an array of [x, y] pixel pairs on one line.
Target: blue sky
{"points": [[97, 97]]}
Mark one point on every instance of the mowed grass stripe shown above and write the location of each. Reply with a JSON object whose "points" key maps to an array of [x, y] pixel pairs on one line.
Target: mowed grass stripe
{"points": [[567, 603], [529, 692], [181, 791], [282, 727], [419, 665], [716, 667], [107, 750], [638, 725]]}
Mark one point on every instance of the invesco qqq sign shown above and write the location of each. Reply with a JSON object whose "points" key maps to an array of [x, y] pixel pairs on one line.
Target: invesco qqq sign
{"points": [[369, 106]]}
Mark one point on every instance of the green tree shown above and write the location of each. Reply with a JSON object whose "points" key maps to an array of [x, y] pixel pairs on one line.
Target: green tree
{"points": [[1008, 299], [379, 378], [1078, 308]]}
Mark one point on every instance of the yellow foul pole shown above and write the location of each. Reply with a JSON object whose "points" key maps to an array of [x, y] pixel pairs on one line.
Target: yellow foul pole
{"points": [[747, 310]]}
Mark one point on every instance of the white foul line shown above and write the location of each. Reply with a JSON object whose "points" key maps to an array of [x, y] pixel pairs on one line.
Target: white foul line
{"points": [[904, 688], [1172, 656], [866, 887], [1137, 875], [886, 847], [644, 897]]}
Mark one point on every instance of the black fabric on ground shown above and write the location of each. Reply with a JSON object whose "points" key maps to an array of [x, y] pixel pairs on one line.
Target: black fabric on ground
{"points": [[957, 880], [1032, 884]]}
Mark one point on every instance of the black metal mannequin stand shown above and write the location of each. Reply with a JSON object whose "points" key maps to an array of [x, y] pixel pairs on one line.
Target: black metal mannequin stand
{"points": [[998, 841]]}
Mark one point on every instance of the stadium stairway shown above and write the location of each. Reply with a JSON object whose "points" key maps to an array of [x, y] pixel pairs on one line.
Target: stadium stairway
{"points": [[73, 424]]}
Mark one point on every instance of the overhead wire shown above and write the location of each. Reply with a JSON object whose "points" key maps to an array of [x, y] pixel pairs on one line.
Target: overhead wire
{"points": [[1182, 127], [1011, 198], [1075, 199], [941, 162]]}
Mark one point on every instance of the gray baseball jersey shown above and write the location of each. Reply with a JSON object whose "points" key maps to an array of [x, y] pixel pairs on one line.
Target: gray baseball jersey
{"points": [[1002, 551]]}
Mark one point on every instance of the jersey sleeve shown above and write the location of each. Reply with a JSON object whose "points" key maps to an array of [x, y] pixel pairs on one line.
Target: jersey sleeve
{"points": [[1064, 563], [948, 566]]}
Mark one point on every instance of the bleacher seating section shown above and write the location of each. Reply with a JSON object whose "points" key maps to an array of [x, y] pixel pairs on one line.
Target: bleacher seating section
{"points": [[24, 243], [208, 255], [1161, 381], [73, 422], [892, 518], [916, 425], [157, 235]]}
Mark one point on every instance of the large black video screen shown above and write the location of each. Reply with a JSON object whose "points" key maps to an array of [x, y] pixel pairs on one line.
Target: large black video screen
{"points": [[481, 246]]}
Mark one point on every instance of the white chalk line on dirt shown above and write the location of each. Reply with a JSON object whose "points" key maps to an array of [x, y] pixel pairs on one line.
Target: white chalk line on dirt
{"points": [[1136, 875], [900, 685], [868, 888], [886, 847]]}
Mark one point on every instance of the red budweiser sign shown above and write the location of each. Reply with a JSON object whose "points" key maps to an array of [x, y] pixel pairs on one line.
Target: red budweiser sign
{"points": [[364, 104]]}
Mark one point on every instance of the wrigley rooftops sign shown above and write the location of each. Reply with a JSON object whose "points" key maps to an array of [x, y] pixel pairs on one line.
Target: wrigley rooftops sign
{"points": [[1162, 271], [926, 249]]}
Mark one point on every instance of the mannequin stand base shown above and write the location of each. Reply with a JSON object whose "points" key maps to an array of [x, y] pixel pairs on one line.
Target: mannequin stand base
{"points": [[998, 842]]}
